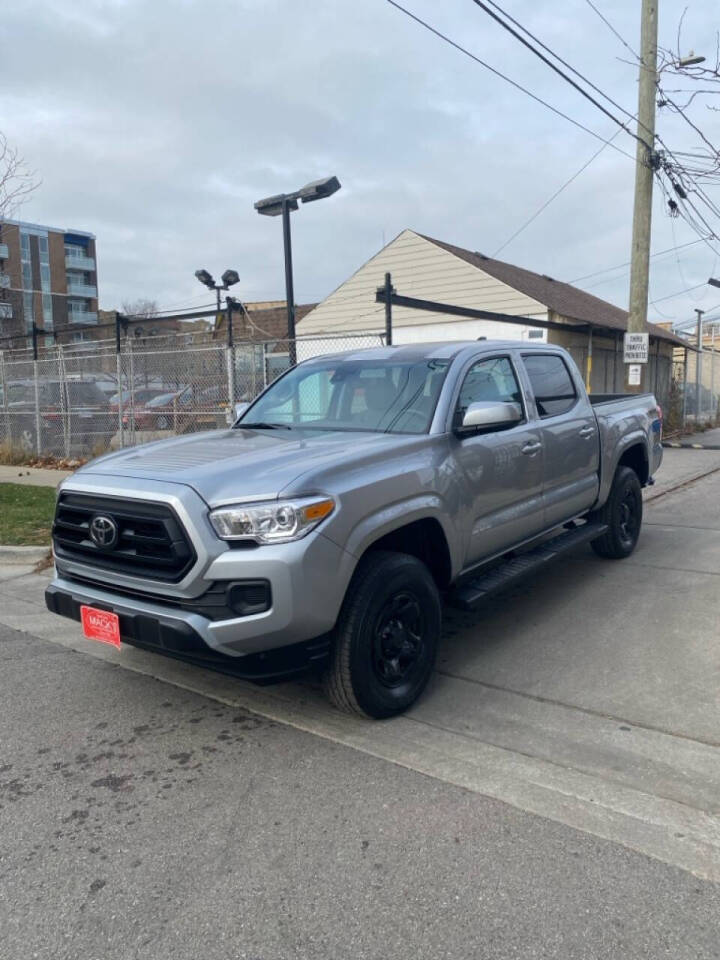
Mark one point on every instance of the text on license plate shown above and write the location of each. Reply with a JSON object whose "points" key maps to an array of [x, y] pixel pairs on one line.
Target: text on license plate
{"points": [[100, 625]]}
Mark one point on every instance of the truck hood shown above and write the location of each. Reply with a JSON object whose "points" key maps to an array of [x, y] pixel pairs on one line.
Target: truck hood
{"points": [[223, 466]]}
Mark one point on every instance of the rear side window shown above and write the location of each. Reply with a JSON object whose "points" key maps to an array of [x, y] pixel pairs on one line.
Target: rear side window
{"points": [[551, 382]]}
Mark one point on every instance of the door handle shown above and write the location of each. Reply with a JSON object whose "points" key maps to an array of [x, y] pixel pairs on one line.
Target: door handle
{"points": [[587, 432], [531, 448]]}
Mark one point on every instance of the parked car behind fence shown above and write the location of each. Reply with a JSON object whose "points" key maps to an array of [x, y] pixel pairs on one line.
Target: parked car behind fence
{"points": [[72, 416]]}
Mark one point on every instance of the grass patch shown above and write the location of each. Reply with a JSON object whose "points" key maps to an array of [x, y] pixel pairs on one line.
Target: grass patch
{"points": [[26, 514]]}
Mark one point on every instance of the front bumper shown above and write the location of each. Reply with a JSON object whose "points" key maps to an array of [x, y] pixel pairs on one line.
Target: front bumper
{"points": [[186, 636]]}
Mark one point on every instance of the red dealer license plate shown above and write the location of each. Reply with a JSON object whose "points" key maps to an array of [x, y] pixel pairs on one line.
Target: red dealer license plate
{"points": [[100, 625]]}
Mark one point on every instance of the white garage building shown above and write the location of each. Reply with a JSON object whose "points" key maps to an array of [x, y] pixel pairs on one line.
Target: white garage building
{"points": [[428, 269]]}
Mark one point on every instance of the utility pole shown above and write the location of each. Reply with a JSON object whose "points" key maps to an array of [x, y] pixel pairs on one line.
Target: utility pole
{"points": [[644, 172]]}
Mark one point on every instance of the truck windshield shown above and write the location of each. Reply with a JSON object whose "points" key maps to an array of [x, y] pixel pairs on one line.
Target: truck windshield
{"points": [[352, 395]]}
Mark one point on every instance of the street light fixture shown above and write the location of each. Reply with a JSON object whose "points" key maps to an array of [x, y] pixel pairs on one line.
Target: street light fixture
{"points": [[281, 205], [691, 60], [229, 279]]}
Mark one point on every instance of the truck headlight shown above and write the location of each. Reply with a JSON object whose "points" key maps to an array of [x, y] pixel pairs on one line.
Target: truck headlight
{"points": [[276, 521]]}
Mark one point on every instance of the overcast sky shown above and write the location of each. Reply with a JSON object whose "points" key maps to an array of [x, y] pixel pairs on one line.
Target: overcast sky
{"points": [[156, 125]]}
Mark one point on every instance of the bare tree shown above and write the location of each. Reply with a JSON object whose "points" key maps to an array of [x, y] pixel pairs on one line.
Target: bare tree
{"points": [[17, 180], [147, 309]]}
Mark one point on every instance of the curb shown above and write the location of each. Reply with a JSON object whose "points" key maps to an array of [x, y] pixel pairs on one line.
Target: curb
{"points": [[691, 446], [653, 493], [24, 555]]}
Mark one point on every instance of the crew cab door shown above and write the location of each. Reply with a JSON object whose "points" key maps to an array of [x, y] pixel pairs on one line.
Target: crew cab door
{"points": [[500, 472], [569, 434]]}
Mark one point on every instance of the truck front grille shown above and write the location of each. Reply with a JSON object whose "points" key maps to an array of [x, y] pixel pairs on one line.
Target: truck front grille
{"points": [[151, 542]]}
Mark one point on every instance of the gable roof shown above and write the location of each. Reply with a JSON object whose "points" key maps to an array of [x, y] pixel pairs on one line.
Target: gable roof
{"points": [[265, 324], [562, 298]]}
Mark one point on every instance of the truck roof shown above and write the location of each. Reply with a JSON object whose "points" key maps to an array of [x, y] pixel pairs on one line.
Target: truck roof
{"points": [[440, 350]]}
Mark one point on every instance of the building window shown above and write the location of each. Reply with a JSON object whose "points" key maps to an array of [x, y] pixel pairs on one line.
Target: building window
{"points": [[74, 251], [5, 311], [25, 245], [28, 309], [47, 311], [43, 247], [535, 335]]}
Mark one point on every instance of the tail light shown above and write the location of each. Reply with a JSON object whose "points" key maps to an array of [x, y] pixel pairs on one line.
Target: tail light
{"points": [[660, 418]]}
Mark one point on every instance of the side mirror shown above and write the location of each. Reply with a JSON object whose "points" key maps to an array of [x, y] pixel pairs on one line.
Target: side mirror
{"points": [[490, 415], [240, 408]]}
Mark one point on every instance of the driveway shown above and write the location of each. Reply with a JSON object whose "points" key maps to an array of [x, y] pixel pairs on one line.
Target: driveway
{"points": [[570, 746]]}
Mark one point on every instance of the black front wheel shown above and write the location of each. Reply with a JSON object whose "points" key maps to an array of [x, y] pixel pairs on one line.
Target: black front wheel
{"points": [[622, 513], [386, 637]]}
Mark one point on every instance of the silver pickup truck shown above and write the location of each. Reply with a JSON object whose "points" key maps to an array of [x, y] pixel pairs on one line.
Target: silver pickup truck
{"points": [[323, 528]]}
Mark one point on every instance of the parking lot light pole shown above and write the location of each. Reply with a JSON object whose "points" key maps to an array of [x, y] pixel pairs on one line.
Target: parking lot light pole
{"points": [[229, 279], [281, 205]]}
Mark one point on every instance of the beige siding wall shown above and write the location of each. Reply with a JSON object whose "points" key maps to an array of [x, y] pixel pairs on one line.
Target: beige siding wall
{"points": [[419, 269]]}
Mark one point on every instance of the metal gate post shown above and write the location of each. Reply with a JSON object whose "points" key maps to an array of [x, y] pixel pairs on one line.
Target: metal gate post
{"points": [[118, 368], [230, 362], [388, 291], [712, 373], [685, 385], [64, 398], [131, 391], [615, 362], [38, 440], [6, 410]]}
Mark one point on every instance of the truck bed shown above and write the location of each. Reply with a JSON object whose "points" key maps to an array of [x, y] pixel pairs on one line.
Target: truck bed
{"points": [[596, 399]]}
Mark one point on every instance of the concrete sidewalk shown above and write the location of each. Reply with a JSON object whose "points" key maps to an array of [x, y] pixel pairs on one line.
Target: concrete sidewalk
{"points": [[707, 440], [680, 467], [32, 476], [587, 695]]}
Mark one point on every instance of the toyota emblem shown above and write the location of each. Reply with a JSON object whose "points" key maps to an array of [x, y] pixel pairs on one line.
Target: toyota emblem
{"points": [[103, 532]]}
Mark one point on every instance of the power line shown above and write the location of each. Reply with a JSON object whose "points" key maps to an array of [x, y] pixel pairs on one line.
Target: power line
{"points": [[502, 76], [612, 29], [552, 53], [679, 265], [549, 63], [660, 253], [556, 194], [679, 293]]}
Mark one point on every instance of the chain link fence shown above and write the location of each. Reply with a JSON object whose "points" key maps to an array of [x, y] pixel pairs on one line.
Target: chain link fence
{"points": [[81, 400], [700, 395]]}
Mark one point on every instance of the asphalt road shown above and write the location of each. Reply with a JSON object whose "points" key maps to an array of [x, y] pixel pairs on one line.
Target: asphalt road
{"points": [[139, 820]]}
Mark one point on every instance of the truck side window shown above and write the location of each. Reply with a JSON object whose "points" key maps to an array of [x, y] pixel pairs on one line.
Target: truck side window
{"points": [[551, 382], [491, 379]]}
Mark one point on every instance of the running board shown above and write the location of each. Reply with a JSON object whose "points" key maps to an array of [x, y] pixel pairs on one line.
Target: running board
{"points": [[471, 593]]}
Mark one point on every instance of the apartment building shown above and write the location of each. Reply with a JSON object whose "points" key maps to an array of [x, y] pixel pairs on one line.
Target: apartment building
{"points": [[48, 276]]}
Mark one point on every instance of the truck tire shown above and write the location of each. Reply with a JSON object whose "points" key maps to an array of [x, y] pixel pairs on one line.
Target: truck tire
{"points": [[622, 512], [386, 637]]}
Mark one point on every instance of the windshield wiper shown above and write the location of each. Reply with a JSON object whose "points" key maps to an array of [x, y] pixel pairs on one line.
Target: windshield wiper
{"points": [[263, 425]]}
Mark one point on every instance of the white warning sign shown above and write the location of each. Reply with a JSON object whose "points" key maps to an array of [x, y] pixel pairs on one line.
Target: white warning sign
{"points": [[637, 347], [634, 375]]}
